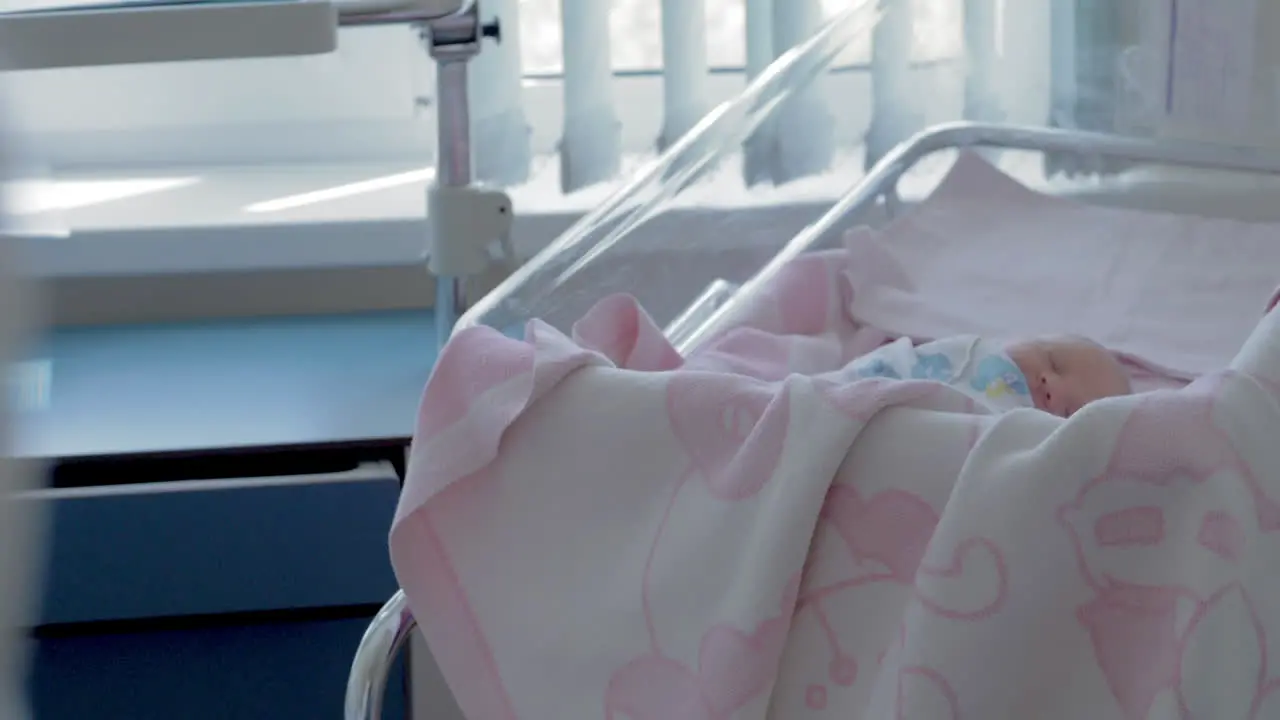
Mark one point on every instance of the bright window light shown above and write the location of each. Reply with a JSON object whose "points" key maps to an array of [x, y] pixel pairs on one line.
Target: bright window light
{"points": [[343, 191], [35, 197]]}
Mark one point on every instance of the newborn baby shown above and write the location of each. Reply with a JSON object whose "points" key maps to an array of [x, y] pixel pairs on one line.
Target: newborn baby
{"points": [[1058, 374]]}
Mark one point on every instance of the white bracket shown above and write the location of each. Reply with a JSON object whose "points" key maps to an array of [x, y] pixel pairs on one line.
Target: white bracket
{"points": [[465, 222]]}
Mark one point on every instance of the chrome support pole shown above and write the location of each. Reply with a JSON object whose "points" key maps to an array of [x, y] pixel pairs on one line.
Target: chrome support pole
{"points": [[385, 637], [452, 42]]}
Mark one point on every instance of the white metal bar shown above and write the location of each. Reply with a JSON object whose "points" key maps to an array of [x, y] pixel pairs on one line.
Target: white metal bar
{"points": [[723, 130], [454, 162], [982, 53], [395, 12], [684, 67], [499, 131], [893, 117], [392, 11], [805, 129], [591, 147], [758, 149], [680, 330]]}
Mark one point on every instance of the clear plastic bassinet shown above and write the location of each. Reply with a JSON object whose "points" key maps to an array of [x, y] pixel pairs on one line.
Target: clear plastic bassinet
{"points": [[686, 230]]}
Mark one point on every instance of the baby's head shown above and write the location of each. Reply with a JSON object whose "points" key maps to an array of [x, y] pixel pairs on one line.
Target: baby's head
{"points": [[1066, 372]]}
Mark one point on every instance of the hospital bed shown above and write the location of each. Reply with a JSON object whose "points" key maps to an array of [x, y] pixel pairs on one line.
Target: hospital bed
{"points": [[561, 282]]}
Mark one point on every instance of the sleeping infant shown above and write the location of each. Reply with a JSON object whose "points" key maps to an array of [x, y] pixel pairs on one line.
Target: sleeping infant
{"points": [[1056, 374]]}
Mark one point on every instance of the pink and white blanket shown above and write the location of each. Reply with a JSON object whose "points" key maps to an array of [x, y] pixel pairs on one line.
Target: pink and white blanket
{"points": [[592, 526]]}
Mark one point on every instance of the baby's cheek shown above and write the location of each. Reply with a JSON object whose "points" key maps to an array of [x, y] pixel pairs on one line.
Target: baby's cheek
{"points": [[1027, 372], [1086, 390]]}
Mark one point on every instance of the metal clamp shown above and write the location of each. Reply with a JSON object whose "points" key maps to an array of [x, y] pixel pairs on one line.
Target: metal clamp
{"points": [[400, 12], [465, 221]]}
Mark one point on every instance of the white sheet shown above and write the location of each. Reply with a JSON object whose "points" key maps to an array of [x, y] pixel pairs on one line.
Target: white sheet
{"points": [[986, 255]]}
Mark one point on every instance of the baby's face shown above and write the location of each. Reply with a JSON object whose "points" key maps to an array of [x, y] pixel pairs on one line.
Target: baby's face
{"points": [[1065, 373]]}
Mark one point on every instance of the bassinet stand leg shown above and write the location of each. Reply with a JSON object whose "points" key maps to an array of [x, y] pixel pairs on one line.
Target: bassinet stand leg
{"points": [[464, 220]]}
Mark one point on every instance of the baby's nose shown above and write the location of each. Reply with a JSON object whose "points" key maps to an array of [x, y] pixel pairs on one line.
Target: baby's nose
{"points": [[1053, 395]]}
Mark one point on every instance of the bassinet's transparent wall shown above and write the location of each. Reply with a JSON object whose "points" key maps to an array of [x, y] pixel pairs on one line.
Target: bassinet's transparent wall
{"points": [[692, 224], [697, 223]]}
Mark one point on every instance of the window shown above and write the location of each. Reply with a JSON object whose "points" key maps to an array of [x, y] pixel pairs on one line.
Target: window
{"points": [[359, 104], [173, 164]]}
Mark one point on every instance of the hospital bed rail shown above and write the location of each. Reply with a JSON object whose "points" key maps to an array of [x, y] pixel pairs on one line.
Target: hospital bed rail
{"points": [[393, 625]]}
